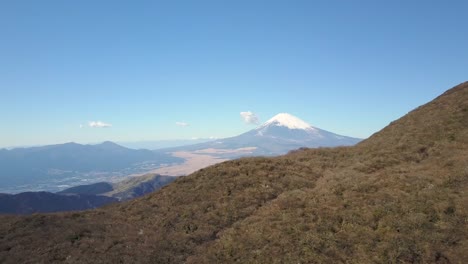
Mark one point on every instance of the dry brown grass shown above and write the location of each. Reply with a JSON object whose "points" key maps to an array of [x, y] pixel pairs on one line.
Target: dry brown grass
{"points": [[399, 197]]}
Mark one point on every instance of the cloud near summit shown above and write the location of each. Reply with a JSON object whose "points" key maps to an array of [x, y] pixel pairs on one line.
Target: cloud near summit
{"points": [[250, 118]]}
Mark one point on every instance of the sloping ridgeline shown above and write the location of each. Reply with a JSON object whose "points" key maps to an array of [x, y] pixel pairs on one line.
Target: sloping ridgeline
{"points": [[400, 196]]}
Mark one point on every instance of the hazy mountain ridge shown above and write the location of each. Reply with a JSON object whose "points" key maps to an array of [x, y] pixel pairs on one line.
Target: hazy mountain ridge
{"points": [[138, 186], [400, 196], [124, 190], [46, 202], [71, 160], [82, 197], [93, 189]]}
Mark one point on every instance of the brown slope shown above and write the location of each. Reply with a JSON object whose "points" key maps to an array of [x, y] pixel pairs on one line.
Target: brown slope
{"points": [[400, 196]]}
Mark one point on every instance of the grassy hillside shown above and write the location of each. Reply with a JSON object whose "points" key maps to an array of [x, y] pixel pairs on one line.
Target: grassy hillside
{"points": [[400, 196]]}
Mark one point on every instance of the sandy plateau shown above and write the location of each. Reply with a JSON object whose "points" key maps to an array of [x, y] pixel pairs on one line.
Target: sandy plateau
{"points": [[199, 159]]}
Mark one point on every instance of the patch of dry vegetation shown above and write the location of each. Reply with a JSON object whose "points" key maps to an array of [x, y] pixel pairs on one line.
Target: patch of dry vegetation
{"points": [[399, 197]]}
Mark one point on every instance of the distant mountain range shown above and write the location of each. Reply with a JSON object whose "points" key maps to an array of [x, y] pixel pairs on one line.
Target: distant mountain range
{"points": [[55, 167], [82, 197], [57, 163], [282, 133]]}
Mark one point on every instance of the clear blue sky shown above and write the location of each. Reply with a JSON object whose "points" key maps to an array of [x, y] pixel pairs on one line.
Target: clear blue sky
{"points": [[349, 67]]}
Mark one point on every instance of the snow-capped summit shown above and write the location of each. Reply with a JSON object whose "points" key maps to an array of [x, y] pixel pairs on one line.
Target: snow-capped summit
{"points": [[284, 132], [287, 120], [278, 135], [288, 127]]}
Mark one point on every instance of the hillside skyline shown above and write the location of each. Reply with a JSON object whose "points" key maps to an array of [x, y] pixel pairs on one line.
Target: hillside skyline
{"points": [[96, 71]]}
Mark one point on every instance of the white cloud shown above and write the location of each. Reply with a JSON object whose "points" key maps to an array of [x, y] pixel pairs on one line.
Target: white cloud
{"points": [[182, 124], [98, 124], [249, 118]]}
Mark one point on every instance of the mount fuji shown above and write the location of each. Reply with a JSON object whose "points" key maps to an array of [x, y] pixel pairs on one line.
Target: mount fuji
{"points": [[282, 133]]}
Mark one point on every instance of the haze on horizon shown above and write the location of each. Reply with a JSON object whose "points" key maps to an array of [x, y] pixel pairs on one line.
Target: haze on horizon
{"points": [[92, 71]]}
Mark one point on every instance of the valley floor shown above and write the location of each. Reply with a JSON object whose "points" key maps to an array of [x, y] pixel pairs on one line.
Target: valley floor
{"points": [[193, 162]]}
